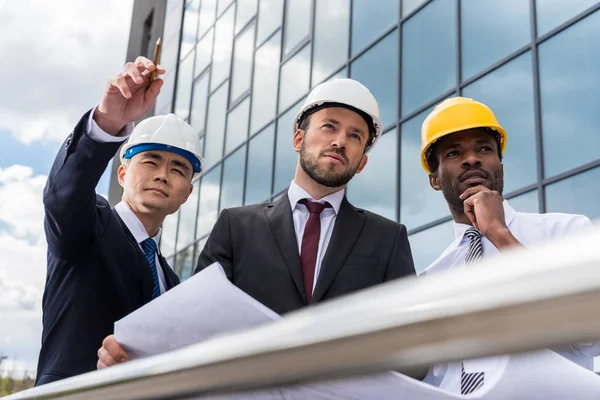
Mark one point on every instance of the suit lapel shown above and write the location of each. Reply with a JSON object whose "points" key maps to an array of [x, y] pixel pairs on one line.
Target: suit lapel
{"points": [[171, 278], [348, 225], [279, 215]]}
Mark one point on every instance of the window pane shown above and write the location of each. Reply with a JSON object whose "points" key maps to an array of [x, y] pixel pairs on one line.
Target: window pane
{"points": [[377, 69], [246, 9], [237, 126], [294, 78], [508, 91], [331, 45], [222, 48], [286, 157], [527, 202], [426, 246], [576, 195], [242, 63], [165, 97], [186, 263], [168, 54], [485, 38], [223, 5], [264, 87], [207, 16], [270, 14], [409, 6], [374, 189], [187, 219], [184, 84], [260, 167], [552, 13], [342, 74], [168, 234], [364, 31], [190, 27], [232, 191], [172, 26], [209, 202], [428, 74], [215, 129], [297, 23], [419, 203], [199, 101], [204, 52], [570, 96]]}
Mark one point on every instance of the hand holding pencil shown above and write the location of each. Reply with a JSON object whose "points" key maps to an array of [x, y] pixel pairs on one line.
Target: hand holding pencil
{"points": [[130, 94]]}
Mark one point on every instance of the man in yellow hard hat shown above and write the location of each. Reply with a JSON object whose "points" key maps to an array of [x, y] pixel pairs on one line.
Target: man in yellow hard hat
{"points": [[462, 148]]}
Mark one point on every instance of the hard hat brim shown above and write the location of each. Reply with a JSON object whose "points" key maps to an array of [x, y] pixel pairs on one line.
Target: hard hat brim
{"points": [[142, 147], [501, 136]]}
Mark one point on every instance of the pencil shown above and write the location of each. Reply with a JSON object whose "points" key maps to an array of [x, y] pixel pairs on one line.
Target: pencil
{"points": [[156, 57]]}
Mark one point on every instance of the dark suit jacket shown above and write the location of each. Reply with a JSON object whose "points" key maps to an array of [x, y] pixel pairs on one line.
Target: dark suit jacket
{"points": [[97, 273], [257, 247]]}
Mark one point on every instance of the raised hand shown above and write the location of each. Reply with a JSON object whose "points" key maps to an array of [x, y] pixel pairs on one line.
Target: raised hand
{"points": [[127, 96]]}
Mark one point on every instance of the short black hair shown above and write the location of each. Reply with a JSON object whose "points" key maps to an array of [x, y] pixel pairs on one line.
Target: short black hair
{"points": [[433, 161]]}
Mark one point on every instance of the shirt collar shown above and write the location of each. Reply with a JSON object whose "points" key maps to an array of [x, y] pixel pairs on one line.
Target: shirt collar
{"points": [[460, 229], [296, 193], [133, 223]]}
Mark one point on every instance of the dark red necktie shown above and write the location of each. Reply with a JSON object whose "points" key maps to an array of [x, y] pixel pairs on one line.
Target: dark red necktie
{"points": [[310, 244]]}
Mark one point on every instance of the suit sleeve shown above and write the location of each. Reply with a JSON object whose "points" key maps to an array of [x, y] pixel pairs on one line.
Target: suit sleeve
{"points": [[218, 247], [401, 261], [70, 192]]}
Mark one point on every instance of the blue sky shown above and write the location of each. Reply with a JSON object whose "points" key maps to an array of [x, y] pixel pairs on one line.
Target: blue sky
{"points": [[38, 155], [54, 70]]}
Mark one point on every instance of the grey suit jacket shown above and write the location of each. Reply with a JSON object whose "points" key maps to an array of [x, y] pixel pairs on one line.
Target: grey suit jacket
{"points": [[257, 247]]}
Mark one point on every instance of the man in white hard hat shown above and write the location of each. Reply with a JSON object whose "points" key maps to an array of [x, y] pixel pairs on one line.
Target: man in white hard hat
{"points": [[104, 263], [311, 245]]}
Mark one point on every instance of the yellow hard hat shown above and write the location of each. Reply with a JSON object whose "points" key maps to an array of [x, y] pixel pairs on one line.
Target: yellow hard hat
{"points": [[454, 115]]}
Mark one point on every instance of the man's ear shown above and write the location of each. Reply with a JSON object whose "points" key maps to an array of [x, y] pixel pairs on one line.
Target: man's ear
{"points": [[298, 138], [363, 163], [121, 174], [434, 181]]}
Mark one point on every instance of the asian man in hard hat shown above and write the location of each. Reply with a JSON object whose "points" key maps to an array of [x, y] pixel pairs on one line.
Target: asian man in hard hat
{"points": [[311, 245], [462, 148], [103, 262]]}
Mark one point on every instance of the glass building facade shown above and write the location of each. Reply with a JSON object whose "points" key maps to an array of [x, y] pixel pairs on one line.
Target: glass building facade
{"points": [[238, 70]]}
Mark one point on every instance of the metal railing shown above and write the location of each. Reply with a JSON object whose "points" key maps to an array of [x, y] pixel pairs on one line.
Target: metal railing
{"points": [[521, 300]]}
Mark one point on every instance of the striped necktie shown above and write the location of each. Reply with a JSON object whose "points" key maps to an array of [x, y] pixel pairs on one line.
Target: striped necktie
{"points": [[149, 246], [469, 382]]}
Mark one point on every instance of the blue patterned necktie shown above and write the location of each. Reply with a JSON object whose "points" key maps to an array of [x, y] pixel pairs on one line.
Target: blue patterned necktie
{"points": [[149, 246], [469, 382]]}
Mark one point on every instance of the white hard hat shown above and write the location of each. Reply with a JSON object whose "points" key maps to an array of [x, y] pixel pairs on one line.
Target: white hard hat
{"points": [[168, 133], [346, 93]]}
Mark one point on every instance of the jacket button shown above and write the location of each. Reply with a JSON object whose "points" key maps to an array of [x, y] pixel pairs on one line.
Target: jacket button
{"points": [[69, 140]]}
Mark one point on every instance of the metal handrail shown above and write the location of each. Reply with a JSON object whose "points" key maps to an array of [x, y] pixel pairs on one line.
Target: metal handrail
{"points": [[521, 300]]}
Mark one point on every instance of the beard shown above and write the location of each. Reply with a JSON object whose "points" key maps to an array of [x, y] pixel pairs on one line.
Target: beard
{"points": [[327, 176], [451, 187]]}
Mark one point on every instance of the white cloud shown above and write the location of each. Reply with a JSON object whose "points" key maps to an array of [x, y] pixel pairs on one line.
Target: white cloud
{"points": [[59, 58], [22, 266], [56, 59], [21, 201], [15, 296]]}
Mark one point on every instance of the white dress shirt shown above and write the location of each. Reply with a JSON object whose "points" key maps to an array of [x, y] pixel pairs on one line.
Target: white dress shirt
{"points": [[132, 222], [300, 215], [529, 229]]}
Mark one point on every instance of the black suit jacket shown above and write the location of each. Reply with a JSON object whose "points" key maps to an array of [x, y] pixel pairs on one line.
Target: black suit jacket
{"points": [[257, 247], [97, 273]]}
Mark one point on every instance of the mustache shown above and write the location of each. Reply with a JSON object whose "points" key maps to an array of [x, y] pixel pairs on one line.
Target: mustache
{"points": [[485, 174], [337, 151]]}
